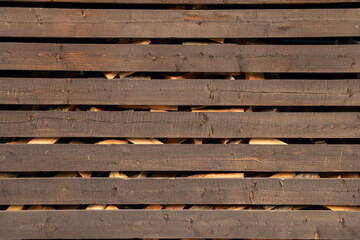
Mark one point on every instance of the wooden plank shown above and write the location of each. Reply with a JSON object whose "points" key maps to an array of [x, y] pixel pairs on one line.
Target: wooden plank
{"points": [[224, 224], [179, 58], [263, 191], [196, 1], [214, 157], [120, 23], [179, 124], [180, 92]]}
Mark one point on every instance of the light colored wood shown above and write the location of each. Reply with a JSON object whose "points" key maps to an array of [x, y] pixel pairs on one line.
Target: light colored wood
{"points": [[21, 141], [85, 174], [95, 109], [140, 175], [225, 207], [111, 75], [218, 175], [201, 207], [269, 207], [219, 110], [249, 109], [266, 141], [283, 175], [151, 107], [125, 74], [225, 140], [254, 76], [144, 141], [63, 109], [15, 208], [117, 175], [153, 207], [164, 108], [95, 207], [157, 110], [134, 41], [185, 76], [307, 175], [218, 40], [197, 140], [111, 207], [112, 141], [174, 207], [43, 140], [343, 208]]}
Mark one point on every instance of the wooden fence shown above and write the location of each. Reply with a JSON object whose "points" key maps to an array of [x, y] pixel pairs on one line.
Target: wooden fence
{"points": [[53, 53]]}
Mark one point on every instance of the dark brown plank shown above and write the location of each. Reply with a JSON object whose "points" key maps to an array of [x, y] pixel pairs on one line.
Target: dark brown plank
{"points": [[180, 92], [107, 23], [264, 191], [258, 224], [179, 124], [180, 58], [259, 158], [196, 1]]}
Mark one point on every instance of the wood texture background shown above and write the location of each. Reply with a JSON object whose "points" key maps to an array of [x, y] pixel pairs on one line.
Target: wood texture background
{"points": [[190, 92], [263, 191], [185, 157], [105, 23], [179, 58], [180, 224], [179, 124], [29, 32]]}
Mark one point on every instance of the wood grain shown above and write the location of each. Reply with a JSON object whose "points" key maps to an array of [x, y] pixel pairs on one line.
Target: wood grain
{"points": [[179, 124], [185, 157], [111, 23], [192, 92], [102, 224], [179, 58], [263, 191]]}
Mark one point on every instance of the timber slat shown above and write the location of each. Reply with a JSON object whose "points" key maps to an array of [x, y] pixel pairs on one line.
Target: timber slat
{"points": [[96, 224], [214, 157], [263, 191], [190, 92], [196, 1], [108, 23], [179, 124], [180, 58]]}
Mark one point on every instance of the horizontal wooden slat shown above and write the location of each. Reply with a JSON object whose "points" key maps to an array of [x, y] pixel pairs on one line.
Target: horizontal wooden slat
{"points": [[195, 1], [179, 124], [180, 92], [179, 58], [263, 191], [168, 157], [100, 23], [179, 224]]}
